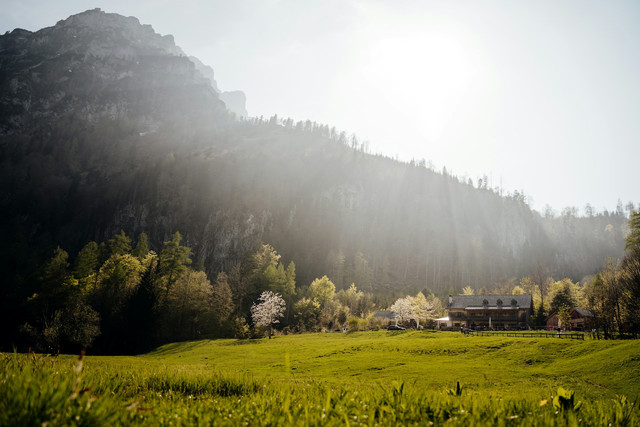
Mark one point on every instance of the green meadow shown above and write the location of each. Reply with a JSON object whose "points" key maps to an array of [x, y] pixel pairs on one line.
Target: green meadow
{"points": [[363, 378]]}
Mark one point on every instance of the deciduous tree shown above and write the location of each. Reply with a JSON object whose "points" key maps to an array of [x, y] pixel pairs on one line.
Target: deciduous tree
{"points": [[189, 301], [468, 290], [268, 310], [402, 309], [306, 313], [322, 290], [629, 278], [421, 308], [222, 299]]}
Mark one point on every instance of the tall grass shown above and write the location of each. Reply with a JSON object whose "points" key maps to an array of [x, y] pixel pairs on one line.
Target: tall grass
{"points": [[37, 390], [181, 389]]}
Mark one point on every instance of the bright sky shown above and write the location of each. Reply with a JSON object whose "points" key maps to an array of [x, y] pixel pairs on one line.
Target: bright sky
{"points": [[541, 96]]}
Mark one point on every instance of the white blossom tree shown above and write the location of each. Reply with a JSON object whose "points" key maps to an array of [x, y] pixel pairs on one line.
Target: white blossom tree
{"points": [[416, 308], [421, 308], [270, 308], [402, 309]]}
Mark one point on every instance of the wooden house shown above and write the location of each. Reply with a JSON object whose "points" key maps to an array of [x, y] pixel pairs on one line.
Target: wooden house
{"points": [[580, 319], [503, 312]]}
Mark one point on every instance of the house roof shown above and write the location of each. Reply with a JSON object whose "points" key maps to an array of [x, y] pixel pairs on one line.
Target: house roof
{"points": [[582, 312], [478, 301]]}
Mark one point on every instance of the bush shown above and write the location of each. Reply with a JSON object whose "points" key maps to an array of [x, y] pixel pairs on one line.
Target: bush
{"points": [[240, 328], [354, 324]]}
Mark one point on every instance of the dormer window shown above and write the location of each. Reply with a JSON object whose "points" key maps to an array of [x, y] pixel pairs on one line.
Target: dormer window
{"points": [[499, 303], [514, 302], [485, 303]]}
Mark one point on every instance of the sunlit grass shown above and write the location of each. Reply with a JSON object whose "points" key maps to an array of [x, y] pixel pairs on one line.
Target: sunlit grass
{"points": [[360, 378]]}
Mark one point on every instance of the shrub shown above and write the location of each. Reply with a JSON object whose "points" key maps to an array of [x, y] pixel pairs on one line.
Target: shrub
{"points": [[354, 324]]}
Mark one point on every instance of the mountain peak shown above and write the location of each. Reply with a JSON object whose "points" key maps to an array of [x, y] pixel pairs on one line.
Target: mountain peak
{"points": [[96, 64], [97, 28]]}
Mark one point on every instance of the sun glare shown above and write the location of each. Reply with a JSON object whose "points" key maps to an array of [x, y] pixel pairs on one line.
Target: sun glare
{"points": [[428, 76]]}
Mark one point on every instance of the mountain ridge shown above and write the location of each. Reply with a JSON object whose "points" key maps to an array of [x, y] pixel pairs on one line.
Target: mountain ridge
{"points": [[119, 130], [86, 44]]}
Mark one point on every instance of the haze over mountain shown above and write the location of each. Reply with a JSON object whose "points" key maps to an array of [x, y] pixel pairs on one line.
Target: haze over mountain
{"points": [[539, 96], [106, 125]]}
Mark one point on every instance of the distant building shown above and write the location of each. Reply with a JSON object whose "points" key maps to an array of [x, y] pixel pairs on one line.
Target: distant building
{"points": [[489, 312], [444, 323], [580, 319]]}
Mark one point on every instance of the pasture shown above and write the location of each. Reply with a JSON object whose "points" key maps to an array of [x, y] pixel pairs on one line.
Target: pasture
{"points": [[362, 378]]}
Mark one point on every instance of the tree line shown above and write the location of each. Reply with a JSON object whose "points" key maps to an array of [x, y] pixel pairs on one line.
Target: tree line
{"points": [[121, 297], [612, 294], [386, 226], [116, 297]]}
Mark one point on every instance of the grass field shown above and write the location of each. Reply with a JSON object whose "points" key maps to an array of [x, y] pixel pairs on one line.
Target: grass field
{"points": [[366, 378]]}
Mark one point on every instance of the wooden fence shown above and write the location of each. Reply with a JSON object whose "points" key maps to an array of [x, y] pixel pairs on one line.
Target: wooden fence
{"points": [[564, 335]]}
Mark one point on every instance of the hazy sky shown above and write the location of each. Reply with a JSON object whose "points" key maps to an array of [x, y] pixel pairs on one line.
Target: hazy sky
{"points": [[543, 96]]}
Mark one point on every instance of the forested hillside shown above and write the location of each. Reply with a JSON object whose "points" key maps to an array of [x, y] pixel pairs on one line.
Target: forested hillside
{"points": [[107, 126]]}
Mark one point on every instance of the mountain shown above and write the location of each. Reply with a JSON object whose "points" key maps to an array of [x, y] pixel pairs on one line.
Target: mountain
{"points": [[106, 125], [98, 65], [236, 100]]}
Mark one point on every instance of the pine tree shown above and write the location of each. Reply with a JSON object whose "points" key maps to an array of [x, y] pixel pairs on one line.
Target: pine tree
{"points": [[87, 260], [633, 239], [142, 247], [120, 244], [540, 319], [57, 280], [174, 259], [141, 313]]}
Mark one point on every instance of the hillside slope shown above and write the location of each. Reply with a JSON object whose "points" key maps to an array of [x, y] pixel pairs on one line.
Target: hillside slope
{"points": [[106, 125], [429, 360]]}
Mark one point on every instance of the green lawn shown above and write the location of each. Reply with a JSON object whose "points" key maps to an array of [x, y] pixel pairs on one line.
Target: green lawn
{"points": [[430, 360], [377, 377]]}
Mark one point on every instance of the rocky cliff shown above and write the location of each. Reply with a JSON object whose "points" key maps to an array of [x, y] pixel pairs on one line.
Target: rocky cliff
{"points": [[106, 125], [100, 65], [236, 100]]}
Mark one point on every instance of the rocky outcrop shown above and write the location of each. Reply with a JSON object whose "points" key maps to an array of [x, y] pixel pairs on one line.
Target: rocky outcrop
{"points": [[100, 65], [206, 71], [236, 102]]}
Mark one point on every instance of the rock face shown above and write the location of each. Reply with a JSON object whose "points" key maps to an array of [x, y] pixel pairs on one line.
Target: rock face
{"points": [[107, 126], [206, 71], [77, 102], [236, 101], [102, 65]]}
